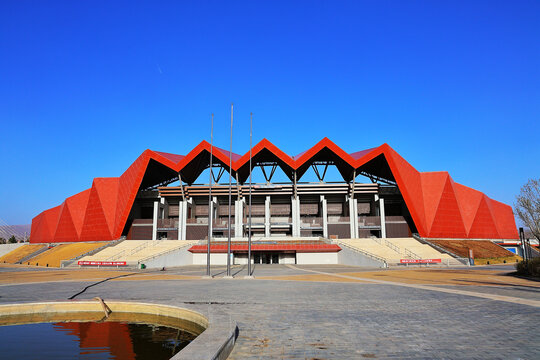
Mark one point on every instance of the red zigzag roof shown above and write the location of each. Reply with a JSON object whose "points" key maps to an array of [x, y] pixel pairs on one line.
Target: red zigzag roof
{"points": [[440, 208]]}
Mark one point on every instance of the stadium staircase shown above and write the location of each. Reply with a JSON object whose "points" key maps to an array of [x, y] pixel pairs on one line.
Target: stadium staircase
{"points": [[136, 252], [54, 256], [22, 253], [392, 250]]}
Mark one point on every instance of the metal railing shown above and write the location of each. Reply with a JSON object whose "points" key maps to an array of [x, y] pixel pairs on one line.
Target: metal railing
{"points": [[392, 246], [363, 252], [411, 254], [164, 252], [129, 252]]}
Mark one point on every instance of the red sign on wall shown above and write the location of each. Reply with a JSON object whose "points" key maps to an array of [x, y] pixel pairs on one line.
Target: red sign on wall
{"points": [[102, 263], [419, 261]]}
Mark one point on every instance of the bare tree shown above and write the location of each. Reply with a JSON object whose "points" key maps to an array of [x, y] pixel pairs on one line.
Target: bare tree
{"points": [[528, 206]]}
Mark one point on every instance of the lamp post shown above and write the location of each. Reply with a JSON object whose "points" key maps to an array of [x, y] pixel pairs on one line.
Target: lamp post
{"points": [[210, 231], [249, 214], [230, 184]]}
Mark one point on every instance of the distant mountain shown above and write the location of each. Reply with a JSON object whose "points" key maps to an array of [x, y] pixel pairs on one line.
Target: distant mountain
{"points": [[21, 232]]}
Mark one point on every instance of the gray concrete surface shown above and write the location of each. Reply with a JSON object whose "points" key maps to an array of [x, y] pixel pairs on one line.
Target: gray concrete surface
{"points": [[322, 320]]}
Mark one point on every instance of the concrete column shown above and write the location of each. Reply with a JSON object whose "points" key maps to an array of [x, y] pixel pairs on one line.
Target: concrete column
{"points": [[383, 219], [154, 220], [295, 210], [182, 219], [238, 218], [164, 213], [267, 217], [324, 216], [353, 216]]}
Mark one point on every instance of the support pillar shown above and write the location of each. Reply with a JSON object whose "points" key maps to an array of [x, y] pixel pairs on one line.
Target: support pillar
{"points": [[383, 217], [182, 218], [324, 209], [238, 218], [353, 216], [267, 217], [155, 219], [295, 211]]}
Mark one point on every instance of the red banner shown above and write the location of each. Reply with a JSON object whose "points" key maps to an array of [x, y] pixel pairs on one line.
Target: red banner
{"points": [[102, 263], [419, 261]]}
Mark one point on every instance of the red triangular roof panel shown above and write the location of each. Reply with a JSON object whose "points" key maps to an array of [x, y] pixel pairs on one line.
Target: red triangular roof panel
{"points": [[107, 189], [95, 227], [504, 219], [65, 231], [433, 184], [483, 226], [447, 222], [468, 202], [410, 184], [77, 209]]}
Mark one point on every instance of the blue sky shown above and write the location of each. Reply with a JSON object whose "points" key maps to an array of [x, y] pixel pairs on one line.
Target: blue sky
{"points": [[85, 87]]}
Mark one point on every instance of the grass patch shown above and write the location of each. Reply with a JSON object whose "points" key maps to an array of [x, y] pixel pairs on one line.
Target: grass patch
{"points": [[497, 260]]}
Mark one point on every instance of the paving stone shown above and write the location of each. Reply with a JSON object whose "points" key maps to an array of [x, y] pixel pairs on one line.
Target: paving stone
{"points": [[322, 320]]}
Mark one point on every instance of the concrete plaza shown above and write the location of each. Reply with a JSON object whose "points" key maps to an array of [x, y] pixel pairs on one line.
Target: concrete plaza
{"points": [[326, 312]]}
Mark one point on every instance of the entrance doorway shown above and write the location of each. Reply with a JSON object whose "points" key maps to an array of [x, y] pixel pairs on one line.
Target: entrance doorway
{"points": [[266, 258]]}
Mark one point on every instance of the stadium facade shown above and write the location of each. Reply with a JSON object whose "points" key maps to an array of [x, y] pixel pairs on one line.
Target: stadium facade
{"points": [[397, 202]]}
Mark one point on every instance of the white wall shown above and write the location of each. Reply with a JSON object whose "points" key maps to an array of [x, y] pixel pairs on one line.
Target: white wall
{"points": [[215, 259], [316, 258], [6, 248], [178, 257], [355, 258], [287, 258]]}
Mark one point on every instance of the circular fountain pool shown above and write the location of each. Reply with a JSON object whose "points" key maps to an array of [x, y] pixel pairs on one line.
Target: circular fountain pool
{"points": [[95, 330]]}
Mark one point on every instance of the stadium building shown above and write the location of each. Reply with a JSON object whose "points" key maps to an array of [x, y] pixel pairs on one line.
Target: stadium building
{"points": [[397, 202]]}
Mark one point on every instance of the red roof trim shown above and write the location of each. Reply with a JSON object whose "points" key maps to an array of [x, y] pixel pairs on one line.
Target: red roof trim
{"points": [[218, 249]]}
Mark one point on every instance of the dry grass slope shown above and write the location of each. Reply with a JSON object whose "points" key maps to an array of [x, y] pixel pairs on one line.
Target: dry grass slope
{"points": [[54, 256], [20, 253], [484, 251]]}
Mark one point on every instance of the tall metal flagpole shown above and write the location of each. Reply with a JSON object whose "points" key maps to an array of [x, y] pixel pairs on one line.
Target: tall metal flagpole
{"points": [[210, 200], [249, 219], [230, 184]]}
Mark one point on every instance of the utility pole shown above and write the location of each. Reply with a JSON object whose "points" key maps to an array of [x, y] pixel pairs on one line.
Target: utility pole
{"points": [[249, 275], [230, 184], [210, 230]]}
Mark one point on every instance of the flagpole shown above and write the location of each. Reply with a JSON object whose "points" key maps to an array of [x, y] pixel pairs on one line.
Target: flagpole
{"points": [[210, 200], [230, 185], [249, 216]]}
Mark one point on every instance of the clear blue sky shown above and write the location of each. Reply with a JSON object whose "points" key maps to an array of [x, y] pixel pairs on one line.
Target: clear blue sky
{"points": [[85, 87]]}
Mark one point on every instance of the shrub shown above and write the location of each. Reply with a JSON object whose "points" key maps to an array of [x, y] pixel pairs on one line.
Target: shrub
{"points": [[12, 240], [530, 268]]}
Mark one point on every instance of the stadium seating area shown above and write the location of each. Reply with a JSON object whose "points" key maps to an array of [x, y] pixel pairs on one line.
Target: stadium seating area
{"points": [[54, 256], [423, 251], [133, 251], [392, 250], [20, 253]]}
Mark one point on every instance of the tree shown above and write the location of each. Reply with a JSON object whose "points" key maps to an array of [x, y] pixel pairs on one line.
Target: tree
{"points": [[2, 240], [527, 206], [12, 239]]}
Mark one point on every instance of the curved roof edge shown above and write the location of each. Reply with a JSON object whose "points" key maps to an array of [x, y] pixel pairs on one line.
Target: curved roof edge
{"points": [[439, 207]]}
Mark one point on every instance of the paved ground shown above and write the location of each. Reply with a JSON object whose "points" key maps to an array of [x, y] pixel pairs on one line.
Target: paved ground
{"points": [[328, 312]]}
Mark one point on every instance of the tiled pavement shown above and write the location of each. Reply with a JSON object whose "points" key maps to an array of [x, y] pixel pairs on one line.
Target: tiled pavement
{"points": [[341, 320]]}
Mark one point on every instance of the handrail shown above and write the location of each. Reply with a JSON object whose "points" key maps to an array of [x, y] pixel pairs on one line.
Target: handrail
{"points": [[373, 256], [435, 246], [164, 252], [412, 254], [131, 251], [95, 251], [392, 246]]}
